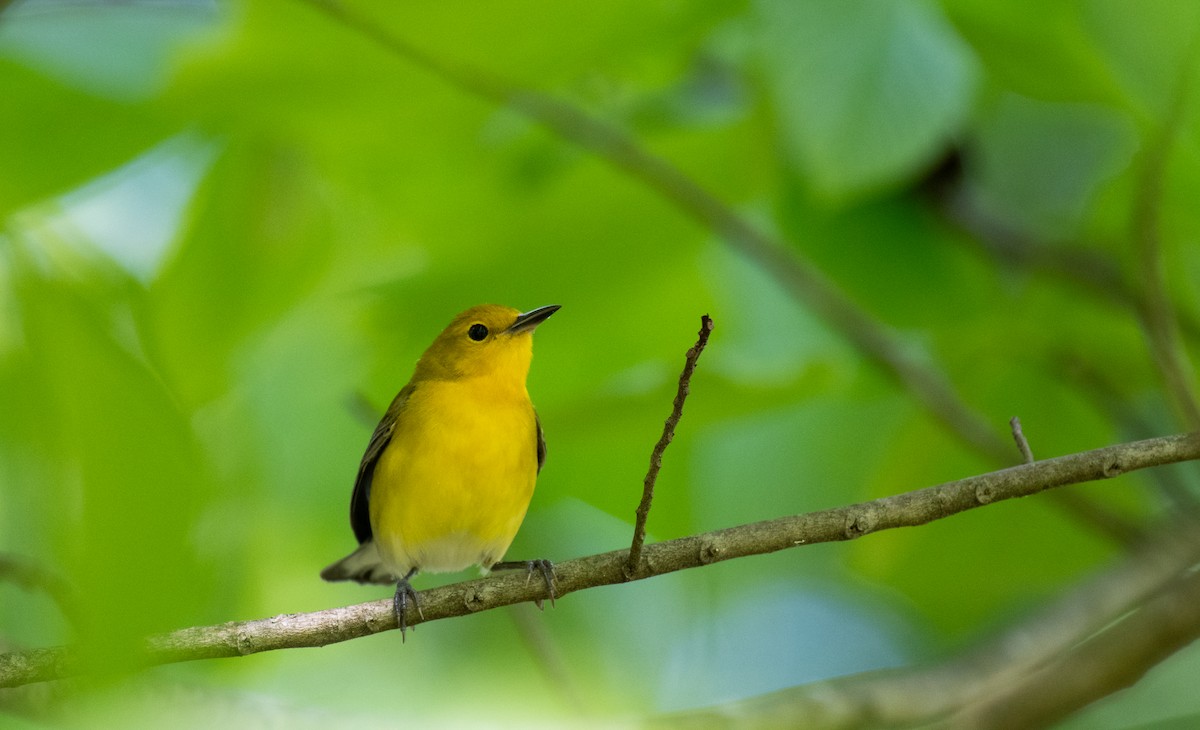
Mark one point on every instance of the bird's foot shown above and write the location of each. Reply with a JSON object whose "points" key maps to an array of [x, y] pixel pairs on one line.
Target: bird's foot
{"points": [[400, 601], [544, 567]]}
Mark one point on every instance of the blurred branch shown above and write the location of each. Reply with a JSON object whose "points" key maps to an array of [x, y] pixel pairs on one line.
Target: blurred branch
{"points": [[919, 507], [35, 703], [32, 577], [668, 434], [1113, 660], [1085, 266], [798, 276], [363, 410], [38, 704], [548, 657], [1156, 309], [1081, 646], [1162, 323]]}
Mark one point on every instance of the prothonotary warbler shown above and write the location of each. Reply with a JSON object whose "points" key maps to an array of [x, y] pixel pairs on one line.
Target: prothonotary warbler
{"points": [[449, 471]]}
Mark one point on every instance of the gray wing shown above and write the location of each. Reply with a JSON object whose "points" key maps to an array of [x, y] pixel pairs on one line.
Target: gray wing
{"points": [[541, 442], [360, 501]]}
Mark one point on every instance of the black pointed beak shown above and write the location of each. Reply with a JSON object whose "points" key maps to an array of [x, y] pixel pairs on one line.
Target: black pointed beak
{"points": [[527, 321]]}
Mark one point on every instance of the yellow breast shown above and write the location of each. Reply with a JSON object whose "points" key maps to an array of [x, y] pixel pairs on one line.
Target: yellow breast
{"points": [[452, 487]]}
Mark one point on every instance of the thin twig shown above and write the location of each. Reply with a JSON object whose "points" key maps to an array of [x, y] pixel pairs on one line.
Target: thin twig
{"points": [[643, 510], [1019, 437], [909, 509], [776, 257]]}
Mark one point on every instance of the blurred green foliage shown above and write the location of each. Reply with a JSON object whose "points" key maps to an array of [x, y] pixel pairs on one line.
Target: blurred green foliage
{"points": [[221, 224]]}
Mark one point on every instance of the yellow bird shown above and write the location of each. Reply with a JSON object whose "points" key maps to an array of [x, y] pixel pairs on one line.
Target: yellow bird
{"points": [[450, 469]]}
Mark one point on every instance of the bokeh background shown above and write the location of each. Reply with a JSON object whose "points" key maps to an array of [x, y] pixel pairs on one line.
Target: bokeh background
{"points": [[228, 229]]}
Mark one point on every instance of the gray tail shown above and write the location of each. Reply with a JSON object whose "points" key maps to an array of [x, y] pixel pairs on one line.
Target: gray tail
{"points": [[363, 565]]}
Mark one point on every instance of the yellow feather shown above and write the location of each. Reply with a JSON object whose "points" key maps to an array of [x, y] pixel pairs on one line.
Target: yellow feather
{"points": [[452, 487], [452, 484]]}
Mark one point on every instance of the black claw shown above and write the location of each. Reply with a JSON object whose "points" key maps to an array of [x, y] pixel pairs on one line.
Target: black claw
{"points": [[545, 567], [547, 570], [404, 591]]}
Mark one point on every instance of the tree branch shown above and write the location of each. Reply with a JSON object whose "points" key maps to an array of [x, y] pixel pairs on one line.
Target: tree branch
{"points": [[1132, 425], [963, 686], [775, 256], [320, 628], [1110, 661], [643, 510]]}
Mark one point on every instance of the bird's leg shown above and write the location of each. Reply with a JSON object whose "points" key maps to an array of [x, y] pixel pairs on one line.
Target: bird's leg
{"points": [[404, 591], [545, 567]]}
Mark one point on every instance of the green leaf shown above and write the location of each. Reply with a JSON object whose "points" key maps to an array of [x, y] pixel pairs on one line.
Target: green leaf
{"points": [[118, 458], [55, 138], [1038, 164], [256, 242], [868, 90]]}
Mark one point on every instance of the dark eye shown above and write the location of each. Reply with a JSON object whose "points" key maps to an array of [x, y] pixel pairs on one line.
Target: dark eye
{"points": [[477, 332]]}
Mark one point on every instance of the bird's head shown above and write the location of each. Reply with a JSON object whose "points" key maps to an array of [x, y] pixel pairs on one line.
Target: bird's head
{"points": [[486, 340]]}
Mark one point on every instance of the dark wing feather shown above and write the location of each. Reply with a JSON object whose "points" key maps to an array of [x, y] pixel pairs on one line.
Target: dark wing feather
{"points": [[360, 502], [541, 442]]}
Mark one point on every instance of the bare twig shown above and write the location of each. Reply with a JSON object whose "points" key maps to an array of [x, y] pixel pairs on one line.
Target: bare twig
{"points": [[643, 510], [1019, 437], [778, 258], [909, 509]]}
